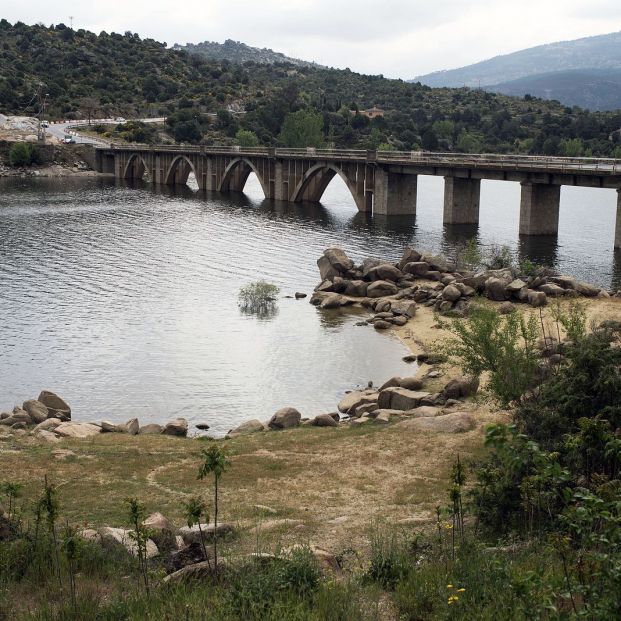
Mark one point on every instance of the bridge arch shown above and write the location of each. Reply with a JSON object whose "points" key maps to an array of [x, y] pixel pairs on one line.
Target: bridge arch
{"points": [[317, 178], [236, 174], [136, 167], [179, 171]]}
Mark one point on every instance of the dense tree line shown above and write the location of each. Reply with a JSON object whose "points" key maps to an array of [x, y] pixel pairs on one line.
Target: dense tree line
{"points": [[112, 74]]}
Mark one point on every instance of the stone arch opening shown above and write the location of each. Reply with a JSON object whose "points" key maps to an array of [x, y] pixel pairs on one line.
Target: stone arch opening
{"points": [[317, 179], [179, 171], [136, 168], [236, 175]]}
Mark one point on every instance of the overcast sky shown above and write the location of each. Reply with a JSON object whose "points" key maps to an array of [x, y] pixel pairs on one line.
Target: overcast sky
{"points": [[398, 38]]}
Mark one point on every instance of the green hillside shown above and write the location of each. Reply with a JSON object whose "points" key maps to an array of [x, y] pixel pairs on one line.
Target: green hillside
{"points": [[121, 74]]}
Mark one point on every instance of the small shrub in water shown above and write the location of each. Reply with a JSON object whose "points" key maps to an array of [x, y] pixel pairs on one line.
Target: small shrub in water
{"points": [[258, 297]]}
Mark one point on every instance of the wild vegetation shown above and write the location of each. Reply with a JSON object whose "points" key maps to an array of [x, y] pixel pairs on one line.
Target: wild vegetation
{"points": [[90, 75]]}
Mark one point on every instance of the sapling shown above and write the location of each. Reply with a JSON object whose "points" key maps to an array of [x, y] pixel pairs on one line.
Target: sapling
{"points": [[12, 491], [49, 506], [216, 462], [70, 551], [140, 536], [195, 509]]}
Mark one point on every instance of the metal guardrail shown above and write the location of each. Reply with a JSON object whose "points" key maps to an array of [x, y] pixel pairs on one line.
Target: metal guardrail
{"points": [[606, 166]]}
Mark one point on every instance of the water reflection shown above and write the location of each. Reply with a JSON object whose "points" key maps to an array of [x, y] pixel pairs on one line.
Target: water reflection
{"points": [[540, 249]]}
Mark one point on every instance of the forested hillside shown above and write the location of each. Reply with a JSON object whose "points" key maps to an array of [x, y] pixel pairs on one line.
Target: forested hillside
{"points": [[121, 74]]}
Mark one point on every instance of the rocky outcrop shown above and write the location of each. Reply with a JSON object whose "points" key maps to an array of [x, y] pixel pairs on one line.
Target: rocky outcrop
{"points": [[455, 422], [251, 426], [56, 406], [77, 430], [285, 418], [120, 537], [192, 534], [176, 427]]}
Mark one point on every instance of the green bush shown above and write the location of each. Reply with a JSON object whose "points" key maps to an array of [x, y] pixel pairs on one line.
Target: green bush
{"points": [[503, 346], [21, 154], [258, 298]]}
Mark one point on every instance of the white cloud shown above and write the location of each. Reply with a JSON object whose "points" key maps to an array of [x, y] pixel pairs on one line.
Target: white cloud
{"points": [[398, 38]]}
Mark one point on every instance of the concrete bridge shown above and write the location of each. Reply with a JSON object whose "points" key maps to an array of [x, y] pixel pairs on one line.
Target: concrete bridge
{"points": [[380, 182]]}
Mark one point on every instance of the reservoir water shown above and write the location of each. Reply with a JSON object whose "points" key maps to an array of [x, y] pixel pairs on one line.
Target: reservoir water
{"points": [[124, 299]]}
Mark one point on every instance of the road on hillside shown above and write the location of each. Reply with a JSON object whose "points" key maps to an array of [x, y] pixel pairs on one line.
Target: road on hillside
{"points": [[60, 130]]}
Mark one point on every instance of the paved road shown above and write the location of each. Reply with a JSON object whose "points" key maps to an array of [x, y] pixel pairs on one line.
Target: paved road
{"points": [[60, 130]]}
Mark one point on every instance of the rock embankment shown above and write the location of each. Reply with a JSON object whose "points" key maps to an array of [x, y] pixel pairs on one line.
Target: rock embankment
{"points": [[49, 416], [392, 290]]}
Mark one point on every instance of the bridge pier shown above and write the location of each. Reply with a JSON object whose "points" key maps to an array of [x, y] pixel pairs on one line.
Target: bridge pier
{"points": [[539, 208], [461, 200], [395, 193], [618, 222]]}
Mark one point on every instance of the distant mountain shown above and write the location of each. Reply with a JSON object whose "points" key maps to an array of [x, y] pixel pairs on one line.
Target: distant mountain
{"points": [[594, 89], [237, 52], [593, 62]]}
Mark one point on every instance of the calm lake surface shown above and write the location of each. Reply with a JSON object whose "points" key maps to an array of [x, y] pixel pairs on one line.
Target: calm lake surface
{"points": [[124, 299]]}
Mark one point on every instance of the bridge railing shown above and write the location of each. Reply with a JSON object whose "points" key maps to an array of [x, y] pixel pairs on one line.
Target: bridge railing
{"points": [[467, 160]]}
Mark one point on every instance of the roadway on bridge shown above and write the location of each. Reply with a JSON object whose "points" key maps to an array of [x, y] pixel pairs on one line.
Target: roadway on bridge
{"points": [[60, 130]]}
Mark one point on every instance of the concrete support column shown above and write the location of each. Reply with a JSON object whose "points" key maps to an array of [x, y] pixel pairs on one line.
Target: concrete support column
{"points": [[395, 194], [279, 193], [461, 200], [618, 224], [539, 209]]}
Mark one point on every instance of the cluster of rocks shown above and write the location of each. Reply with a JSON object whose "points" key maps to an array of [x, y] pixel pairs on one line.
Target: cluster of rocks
{"points": [[48, 406], [180, 551], [392, 290], [49, 416], [397, 398]]}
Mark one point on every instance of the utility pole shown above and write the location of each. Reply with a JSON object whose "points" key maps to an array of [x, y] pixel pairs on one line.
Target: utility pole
{"points": [[41, 101], [71, 22]]}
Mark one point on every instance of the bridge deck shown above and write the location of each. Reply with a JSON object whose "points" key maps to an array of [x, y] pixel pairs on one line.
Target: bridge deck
{"points": [[486, 161]]}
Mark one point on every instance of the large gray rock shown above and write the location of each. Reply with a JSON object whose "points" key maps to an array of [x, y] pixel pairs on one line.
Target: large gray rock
{"points": [[436, 262], [409, 256], [552, 290], [326, 270], [77, 430], [515, 285], [461, 388], [356, 288], [191, 534], [57, 407], [338, 259], [567, 282], [587, 290], [324, 420], [537, 298], [403, 307], [385, 271], [250, 426], [411, 383], [47, 425], [37, 411], [285, 418], [381, 288], [456, 422], [416, 268], [451, 293], [400, 399], [356, 398], [151, 429], [176, 427], [120, 537], [161, 531], [333, 300], [496, 289]]}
